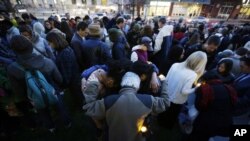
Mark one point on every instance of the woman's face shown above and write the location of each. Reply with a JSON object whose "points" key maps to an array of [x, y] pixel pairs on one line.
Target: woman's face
{"points": [[222, 68], [108, 82], [52, 45], [47, 25], [27, 35]]}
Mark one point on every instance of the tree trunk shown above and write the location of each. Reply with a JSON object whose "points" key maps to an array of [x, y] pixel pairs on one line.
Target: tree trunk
{"points": [[138, 8]]}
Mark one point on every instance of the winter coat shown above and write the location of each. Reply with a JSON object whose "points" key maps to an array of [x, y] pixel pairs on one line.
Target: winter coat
{"points": [[7, 56], [90, 70], [124, 113], [33, 62], [12, 32], [95, 52], [39, 28], [67, 65], [163, 44], [215, 110], [139, 54], [76, 44], [118, 50], [225, 41], [41, 47], [228, 78], [236, 66], [133, 38]]}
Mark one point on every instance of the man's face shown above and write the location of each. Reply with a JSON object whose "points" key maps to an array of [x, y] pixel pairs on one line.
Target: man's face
{"points": [[210, 48], [160, 24], [122, 25], [244, 68], [48, 25], [84, 33], [67, 16]]}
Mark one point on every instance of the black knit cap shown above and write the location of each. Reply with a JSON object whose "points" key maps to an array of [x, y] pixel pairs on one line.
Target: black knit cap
{"points": [[21, 45]]}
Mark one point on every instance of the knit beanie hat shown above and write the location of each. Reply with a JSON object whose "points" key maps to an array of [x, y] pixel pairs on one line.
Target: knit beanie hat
{"points": [[131, 79], [137, 27], [114, 34], [21, 45], [226, 53]]}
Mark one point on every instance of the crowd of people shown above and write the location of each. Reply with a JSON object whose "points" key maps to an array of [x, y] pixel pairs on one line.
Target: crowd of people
{"points": [[125, 76]]}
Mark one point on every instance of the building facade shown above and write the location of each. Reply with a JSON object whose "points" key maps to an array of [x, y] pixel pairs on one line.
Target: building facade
{"points": [[244, 12], [44, 8], [223, 9]]}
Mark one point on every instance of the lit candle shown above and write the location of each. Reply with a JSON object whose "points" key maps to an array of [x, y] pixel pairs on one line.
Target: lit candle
{"points": [[144, 129], [162, 77], [198, 84]]}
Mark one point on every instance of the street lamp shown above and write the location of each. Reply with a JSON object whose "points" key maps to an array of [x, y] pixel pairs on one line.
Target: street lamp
{"points": [[122, 5], [62, 2]]}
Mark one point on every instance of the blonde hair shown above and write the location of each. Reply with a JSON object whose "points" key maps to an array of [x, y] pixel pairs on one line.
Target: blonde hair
{"points": [[197, 62]]}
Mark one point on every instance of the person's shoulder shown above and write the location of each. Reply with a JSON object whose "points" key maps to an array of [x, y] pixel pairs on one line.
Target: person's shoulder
{"points": [[68, 51], [12, 67], [74, 38], [109, 101], [49, 64], [196, 47], [103, 44], [145, 99], [14, 71]]}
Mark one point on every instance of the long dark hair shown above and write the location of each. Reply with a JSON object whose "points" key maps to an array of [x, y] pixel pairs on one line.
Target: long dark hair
{"points": [[47, 30], [66, 29], [58, 40]]}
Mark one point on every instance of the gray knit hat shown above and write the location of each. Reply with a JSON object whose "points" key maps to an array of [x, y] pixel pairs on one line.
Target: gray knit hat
{"points": [[131, 79]]}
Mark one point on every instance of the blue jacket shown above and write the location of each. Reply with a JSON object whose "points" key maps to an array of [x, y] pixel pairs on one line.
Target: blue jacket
{"points": [[76, 44], [118, 50], [66, 63], [90, 70], [7, 56], [95, 52]]}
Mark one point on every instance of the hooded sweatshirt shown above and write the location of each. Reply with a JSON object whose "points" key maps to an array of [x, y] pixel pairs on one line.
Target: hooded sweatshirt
{"points": [[41, 46]]}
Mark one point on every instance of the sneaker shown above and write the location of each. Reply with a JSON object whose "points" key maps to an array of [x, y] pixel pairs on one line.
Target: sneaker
{"points": [[52, 130], [68, 125]]}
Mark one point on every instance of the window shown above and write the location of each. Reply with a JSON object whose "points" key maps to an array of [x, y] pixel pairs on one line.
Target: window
{"points": [[225, 10], [73, 1], [94, 2], [83, 1]]}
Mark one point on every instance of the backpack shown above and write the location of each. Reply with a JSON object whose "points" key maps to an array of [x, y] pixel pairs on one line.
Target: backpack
{"points": [[39, 91]]}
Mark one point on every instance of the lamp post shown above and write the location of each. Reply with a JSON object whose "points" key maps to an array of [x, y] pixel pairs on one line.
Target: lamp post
{"points": [[156, 7], [133, 14], [62, 3]]}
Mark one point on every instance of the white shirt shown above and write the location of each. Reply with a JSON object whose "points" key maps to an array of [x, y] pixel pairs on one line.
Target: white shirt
{"points": [[178, 83], [167, 30]]}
